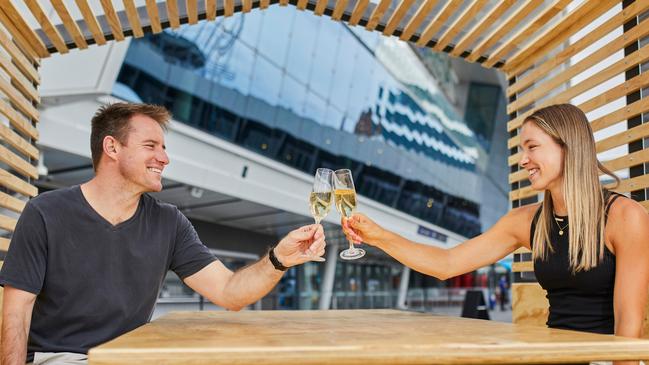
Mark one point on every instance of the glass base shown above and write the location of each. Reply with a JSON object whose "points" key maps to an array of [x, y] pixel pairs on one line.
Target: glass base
{"points": [[352, 254]]}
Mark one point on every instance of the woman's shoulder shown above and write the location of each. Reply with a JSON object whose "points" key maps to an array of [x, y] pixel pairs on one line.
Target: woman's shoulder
{"points": [[523, 214], [625, 211], [518, 222], [627, 219]]}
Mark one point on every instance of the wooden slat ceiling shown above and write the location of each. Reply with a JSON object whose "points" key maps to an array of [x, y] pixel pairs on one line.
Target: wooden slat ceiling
{"points": [[487, 31]]}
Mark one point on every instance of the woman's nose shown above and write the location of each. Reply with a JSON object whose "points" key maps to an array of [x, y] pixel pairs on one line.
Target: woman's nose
{"points": [[524, 160]]}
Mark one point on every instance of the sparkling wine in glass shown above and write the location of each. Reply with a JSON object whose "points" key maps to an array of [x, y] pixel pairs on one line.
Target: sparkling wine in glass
{"points": [[320, 197], [345, 197]]}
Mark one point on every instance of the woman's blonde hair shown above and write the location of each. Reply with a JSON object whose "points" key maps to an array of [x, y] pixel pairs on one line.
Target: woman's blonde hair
{"points": [[584, 194]]}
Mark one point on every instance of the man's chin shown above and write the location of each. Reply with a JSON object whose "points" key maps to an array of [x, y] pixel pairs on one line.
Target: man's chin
{"points": [[154, 187]]}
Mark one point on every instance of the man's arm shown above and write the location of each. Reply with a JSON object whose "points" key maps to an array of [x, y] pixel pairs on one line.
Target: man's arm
{"points": [[239, 289], [16, 318], [235, 290]]}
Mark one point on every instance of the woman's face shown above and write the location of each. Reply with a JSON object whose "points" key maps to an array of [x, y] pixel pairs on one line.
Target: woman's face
{"points": [[542, 158]]}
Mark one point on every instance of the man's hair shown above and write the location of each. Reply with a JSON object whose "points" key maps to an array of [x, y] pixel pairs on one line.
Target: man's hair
{"points": [[114, 120]]}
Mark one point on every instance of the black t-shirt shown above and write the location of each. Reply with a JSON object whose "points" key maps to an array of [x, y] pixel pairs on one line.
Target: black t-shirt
{"points": [[95, 281]]}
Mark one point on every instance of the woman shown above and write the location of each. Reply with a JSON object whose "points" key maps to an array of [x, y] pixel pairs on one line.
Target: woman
{"points": [[590, 246]]}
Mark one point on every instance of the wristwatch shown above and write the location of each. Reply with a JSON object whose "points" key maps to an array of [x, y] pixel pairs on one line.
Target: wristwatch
{"points": [[273, 259]]}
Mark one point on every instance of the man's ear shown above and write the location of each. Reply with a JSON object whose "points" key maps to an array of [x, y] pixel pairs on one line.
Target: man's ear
{"points": [[111, 147]]}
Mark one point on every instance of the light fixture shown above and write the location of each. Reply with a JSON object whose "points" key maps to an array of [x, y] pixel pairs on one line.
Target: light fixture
{"points": [[41, 168], [196, 192]]}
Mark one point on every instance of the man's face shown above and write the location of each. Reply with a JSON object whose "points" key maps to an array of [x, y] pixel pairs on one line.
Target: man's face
{"points": [[143, 157]]}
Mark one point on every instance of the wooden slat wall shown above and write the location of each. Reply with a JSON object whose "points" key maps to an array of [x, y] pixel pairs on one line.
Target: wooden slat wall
{"points": [[543, 88], [1, 297], [509, 34], [69, 23], [437, 22], [541, 73], [467, 15], [133, 18], [469, 25], [91, 21], [19, 98]]}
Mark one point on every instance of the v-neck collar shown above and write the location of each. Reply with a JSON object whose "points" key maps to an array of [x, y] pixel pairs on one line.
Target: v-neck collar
{"points": [[103, 220]]}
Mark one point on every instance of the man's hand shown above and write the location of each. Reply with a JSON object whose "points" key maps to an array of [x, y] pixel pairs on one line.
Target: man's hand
{"points": [[301, 245]]}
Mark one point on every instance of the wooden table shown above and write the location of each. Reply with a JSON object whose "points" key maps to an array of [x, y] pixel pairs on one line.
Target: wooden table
{"points": [[354, 337]]}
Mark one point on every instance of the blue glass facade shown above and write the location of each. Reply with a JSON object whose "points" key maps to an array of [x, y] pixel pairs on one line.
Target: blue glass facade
{"points": [[311, 93]]}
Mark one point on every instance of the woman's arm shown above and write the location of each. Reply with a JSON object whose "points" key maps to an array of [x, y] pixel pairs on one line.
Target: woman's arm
{"points": [[629, 235], [509, 233]]}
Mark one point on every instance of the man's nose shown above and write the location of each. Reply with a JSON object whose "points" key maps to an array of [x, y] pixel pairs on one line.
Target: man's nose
{"points": [[163, 157]]}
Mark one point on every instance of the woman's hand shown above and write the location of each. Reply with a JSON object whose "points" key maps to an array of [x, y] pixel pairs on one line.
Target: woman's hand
{"points": [[359, 228]]}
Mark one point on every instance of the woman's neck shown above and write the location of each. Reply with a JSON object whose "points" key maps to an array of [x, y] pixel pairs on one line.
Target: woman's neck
{"points": [[558, 200]]}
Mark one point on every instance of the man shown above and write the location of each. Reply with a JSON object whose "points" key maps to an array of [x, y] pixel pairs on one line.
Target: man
{"points": [[86, 263]]}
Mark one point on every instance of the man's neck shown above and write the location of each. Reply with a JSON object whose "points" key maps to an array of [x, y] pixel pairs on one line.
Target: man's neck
{"points": [[110, 199]]}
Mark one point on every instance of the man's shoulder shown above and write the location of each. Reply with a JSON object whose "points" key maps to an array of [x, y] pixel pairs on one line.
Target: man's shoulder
{"points": [[56, 198], [157, 206], [164, 214]]}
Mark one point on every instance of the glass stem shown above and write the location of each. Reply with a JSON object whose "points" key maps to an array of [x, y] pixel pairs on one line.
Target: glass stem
{"points": [[351, 246]]}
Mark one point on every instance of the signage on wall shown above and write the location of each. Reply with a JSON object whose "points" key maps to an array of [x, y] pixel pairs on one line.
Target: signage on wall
{"points": [[432, 234]]}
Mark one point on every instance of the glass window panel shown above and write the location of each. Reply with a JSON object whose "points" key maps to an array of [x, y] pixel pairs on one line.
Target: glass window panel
{"points": [[220, 37], [275, 33], [343, 71], [183, 79], [240, 66], [482, 105], [315, 108], [325, 56], [266, 81], [359, 94], [251, 26], [198, 34], [370, 39], [334, 117], [302, 43], [292, 95], [180, 106], [150, 90], [379, 78]]}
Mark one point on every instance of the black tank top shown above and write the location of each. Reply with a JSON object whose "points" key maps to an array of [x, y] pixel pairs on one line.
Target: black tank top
{"points": [[582, 301]]}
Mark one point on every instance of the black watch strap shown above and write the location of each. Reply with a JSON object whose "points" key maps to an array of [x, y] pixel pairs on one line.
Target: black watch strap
{"points": [[273, 259]]}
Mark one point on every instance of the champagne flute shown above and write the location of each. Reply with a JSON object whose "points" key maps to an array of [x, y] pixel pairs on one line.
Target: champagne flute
{"points": [[345, 197], [320, 197]]}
